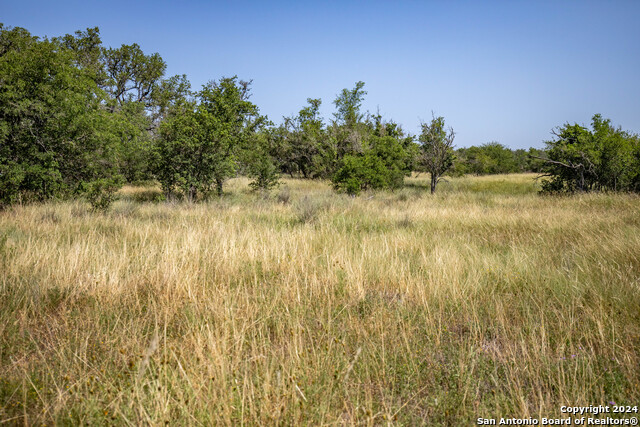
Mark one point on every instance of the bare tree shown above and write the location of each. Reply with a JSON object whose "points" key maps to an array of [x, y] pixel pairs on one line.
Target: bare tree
{"points": [[436, 145]]}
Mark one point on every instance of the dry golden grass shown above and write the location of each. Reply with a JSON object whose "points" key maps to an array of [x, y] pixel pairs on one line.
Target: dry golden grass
{"points": [[314, 308]]}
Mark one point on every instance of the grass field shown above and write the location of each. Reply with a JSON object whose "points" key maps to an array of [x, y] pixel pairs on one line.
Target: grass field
{"points": [[308, 307]]}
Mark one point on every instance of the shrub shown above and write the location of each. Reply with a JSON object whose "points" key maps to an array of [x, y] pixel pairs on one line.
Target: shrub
{"points": [[309, 208], [602, 158], [284, 195], [102, 193], [264, 173]]}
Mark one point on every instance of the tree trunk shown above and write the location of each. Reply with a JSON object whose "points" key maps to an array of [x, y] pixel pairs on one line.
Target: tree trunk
{"points": [[581, 182], [434, 181], [219, 187]]}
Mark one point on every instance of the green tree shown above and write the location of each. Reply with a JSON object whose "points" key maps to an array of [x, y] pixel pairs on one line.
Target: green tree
{"points": [[383, 165], [580, 159], [437, 155], [132, 75], [348, 105], [360, 172], [139, 96], [89, 53], [201, 142], [490, 158], [261, 166], [348, 129], [55, 134], [301, 137]]}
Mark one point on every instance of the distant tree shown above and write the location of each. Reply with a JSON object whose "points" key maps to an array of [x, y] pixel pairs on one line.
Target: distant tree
{"points": [[201, 142], [348, 129], [348, 105], [500, 158], [495, 158], [300, 145], [437, 153], [535, 160], [360, 172]]}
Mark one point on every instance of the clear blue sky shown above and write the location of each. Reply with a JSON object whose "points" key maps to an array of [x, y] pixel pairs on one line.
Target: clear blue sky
{"points": [[506, 71]]}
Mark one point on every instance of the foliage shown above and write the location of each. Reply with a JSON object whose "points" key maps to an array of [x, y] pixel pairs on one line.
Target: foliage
{"points": [[137, 95], [357, 173], [101, 193], [348, 105], [260, 165], [55, 135], [349, 129], [73, 112], [132, 75], [603, 158], [299, 147], [383, 165], [201, 142], [495, 158], [436, 155]]}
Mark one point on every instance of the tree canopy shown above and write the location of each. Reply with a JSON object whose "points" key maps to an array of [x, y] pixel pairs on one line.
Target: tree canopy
{"points": [[56, 137], [436, 154], [202, 141], [601, 158]]}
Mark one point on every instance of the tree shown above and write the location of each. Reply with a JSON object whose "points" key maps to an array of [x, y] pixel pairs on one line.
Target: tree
{"points": [[138, 95], [89, 53], [260, 164], [301, 138], [348, 105], [201, 141], [384, 164], [436, 145], [133, 76], [360, 172], [56, 137], [348, 128], [580, 159]]}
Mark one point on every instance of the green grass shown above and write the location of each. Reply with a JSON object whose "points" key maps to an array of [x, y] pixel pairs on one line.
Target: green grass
{"points": [[484, 300]]}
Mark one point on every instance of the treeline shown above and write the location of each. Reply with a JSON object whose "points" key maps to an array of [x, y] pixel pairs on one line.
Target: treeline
{"points": [[78, 119], [494, 158]]}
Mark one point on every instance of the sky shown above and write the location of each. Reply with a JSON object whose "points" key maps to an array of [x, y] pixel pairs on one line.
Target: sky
{"points": [[505, 71]]}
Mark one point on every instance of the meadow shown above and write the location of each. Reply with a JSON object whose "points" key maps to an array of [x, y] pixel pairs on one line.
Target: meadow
{"points": [[310, 307]]}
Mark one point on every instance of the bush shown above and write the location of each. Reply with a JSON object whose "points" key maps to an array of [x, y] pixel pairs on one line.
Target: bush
{"points": [[600, 159], [264, 173], [284, 195], [102, 193], [310, 208], [358, 173], [384, 164]]}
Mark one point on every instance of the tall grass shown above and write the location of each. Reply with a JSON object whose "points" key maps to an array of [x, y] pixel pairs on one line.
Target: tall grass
{"points": [[484, 300]]}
